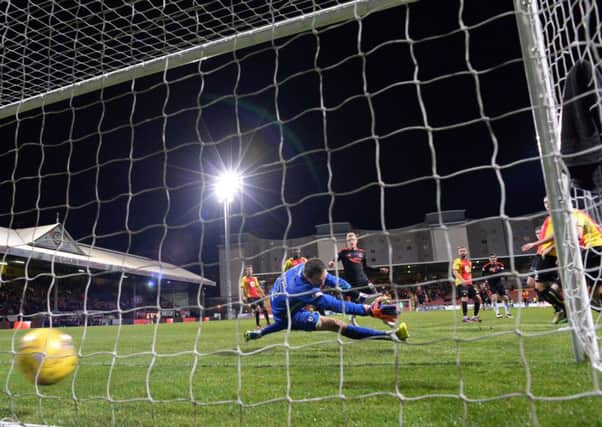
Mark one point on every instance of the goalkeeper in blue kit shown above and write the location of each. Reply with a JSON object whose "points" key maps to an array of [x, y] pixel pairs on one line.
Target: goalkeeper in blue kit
{"points": [[301, 286]]}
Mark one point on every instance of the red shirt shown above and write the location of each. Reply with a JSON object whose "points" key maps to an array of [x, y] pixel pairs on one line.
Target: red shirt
{"points": [[292, 262], [544, 233], [464, 268], [249, 285]]}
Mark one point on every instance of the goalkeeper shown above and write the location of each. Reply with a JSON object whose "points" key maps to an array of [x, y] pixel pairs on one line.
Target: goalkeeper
{"points": [[300, 286]]}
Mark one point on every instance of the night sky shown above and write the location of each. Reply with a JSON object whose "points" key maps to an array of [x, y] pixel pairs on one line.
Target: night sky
{"points": [[132, 170]]}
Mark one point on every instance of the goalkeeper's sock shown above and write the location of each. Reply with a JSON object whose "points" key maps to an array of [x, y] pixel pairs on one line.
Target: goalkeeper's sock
{"points": [[257, 321], [252, 335], [357, 332], [273, 327], [267, 317], [477, 306], [464, 308]]}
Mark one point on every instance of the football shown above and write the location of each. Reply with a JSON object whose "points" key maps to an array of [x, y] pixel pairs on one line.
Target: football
{"points": [[46, 356]]}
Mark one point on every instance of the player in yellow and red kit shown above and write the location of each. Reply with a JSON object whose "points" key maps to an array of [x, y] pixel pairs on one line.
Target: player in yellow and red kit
{"points": [[296, 259], [590, 238], [544, 268], [462, 269], [253, 295]]}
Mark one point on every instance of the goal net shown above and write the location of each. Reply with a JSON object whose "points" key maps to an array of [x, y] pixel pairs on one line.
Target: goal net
{"points": [[563, 72], [421, 129]]}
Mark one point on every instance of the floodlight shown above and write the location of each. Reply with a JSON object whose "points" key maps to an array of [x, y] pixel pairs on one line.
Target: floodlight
{"points": [[228, 184]]}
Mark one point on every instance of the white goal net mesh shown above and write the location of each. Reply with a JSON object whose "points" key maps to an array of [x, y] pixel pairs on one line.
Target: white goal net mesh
{"points": [[49, 44], [408, 123], [570, 53]]}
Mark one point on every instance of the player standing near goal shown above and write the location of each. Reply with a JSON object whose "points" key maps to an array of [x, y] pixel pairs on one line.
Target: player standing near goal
{"points": [[589, 234], [355, 266], [421, 297], [301, 286], [590, 237], [253, 295], [296, 259], [462, 269], [492, 271], [545, 271]]}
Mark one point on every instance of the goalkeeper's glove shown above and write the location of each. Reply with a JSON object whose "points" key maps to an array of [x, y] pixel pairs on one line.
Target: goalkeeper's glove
{"points": [[386, 312]]}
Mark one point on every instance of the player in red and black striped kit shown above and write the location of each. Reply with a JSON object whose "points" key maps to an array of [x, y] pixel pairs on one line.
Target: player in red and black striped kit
{"points": [[492, 271], [355, 266]]}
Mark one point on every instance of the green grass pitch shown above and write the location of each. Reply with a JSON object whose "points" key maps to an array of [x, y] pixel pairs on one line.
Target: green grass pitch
{"points": [[501, 372]]}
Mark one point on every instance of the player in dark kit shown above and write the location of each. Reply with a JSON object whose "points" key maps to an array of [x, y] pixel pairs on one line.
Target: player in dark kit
{"points": [[492, 271], [421, 296], [355, 266], [484, 293]]}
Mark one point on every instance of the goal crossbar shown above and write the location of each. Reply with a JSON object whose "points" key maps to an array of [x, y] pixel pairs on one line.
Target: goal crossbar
{"points": [[242, 40]]}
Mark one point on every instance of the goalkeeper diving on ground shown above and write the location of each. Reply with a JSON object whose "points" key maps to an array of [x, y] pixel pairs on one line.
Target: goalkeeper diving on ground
{"points": [[300, 286]]}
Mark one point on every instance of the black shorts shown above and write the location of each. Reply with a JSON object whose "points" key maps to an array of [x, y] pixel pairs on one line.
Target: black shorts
{"points": [[544, 269], [256, 302], [591, 262], [497, 288], [484, 297], [466, 291]]}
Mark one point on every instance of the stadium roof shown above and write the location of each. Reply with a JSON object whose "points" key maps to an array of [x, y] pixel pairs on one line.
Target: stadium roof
{"points": [[53, 243]]}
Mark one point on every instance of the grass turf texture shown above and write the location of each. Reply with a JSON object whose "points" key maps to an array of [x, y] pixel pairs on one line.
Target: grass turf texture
{"points": [[316, 378]]}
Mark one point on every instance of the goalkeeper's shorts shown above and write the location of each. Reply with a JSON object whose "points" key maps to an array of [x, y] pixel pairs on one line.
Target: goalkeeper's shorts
{"points": [[303, 320]]}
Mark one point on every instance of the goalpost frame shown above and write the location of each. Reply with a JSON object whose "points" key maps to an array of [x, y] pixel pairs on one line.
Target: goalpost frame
{"points": [[539, 81], [274, 31]]}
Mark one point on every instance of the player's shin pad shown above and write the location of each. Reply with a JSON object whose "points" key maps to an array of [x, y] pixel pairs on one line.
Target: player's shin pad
{"points": [[380, 310]]}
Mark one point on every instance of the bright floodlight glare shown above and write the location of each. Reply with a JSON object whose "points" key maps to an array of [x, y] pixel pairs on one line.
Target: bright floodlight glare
{"points": [[228, 184]]}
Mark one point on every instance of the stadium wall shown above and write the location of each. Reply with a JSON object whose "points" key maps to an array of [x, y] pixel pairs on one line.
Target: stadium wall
{"points": [[420, 243]]}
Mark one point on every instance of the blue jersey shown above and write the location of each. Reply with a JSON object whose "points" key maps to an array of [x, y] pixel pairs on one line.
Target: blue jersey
{"points": [[293, 287]]}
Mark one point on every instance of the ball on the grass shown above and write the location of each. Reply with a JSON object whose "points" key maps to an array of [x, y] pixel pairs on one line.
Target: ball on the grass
{"points": [[46, 356]]}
